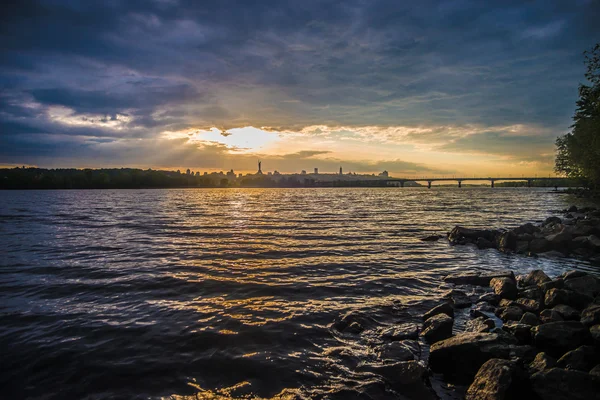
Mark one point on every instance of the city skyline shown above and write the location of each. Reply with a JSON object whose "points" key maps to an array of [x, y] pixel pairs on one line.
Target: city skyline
{"points": [[435, 89]]}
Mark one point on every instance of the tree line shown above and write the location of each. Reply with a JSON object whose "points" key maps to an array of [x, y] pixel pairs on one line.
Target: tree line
{"points": [[578, 152]]}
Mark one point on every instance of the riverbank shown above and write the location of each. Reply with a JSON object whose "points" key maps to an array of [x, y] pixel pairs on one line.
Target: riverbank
{"points": [[523, 336]]}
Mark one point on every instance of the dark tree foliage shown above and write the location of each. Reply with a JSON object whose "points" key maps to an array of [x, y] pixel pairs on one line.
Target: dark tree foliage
{"points": [[578, 152]]}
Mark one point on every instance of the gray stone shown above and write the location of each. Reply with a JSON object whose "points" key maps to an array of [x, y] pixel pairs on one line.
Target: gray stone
{"points": [[480, 324], [495, 380], [396, 351], [534, 293], [436, 328], [529, 319], [587, 285], [550, 315], [595, 371], [536, 277], [557, 338], [460, 357], [551, 220], [595, 332], [444, 308], [555, 297], [557, 283], [541, 362], [476, 278], [507, 241], [397, 373], [539, 245], [504, 287], [561, 384], [401, 332], [591, 315], [529, 305], [572, 274], [458, 297], [521, 331], [522, 246], [491, 298], [568, 313], [483, 243], [582, 358], [511, 314]]}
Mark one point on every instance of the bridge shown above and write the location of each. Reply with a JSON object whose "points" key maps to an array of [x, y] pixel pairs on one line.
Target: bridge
{"points": [[461, 180]]}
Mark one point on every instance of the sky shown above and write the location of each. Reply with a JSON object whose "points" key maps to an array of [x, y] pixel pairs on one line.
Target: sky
{"points": [[427, 88]]}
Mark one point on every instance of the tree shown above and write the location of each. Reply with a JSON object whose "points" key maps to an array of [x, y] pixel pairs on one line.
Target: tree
{"points": [[578, 152]]}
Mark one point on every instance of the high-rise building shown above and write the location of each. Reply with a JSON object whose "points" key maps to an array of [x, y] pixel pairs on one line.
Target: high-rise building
{"points": [[316, 171], [341, 173]]}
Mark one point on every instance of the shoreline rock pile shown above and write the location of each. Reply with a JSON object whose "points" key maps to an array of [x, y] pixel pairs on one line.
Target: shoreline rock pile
{"points": [[576, 235], [546, 344]]}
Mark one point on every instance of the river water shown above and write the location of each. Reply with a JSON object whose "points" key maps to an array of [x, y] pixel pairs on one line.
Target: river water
{"points": [[227, 292]]}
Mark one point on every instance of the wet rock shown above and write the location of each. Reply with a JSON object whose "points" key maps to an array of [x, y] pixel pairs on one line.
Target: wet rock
{"points": [[573, 274], [591, 315], [445, 308], [353, 322], [557, 338], [582, 358], [431, 238], [542, 362], [397, 373], [436, 328], [533, 293], [552, 254], [458, 297], [401, 332], [396, 351], [587, 285], [511, 314], [550, 315], [522, 246], [482, 310], [551, 220], [477, 279], [536, 277], [595, 371], [581, 230], [561, 384], [572, 209], [461, 235], [594, 242], [507, 241], [521, 331], [504, 287], [460, 357], [539, 245], [495, 380], [528, 305], [480, 324], [529, 319], [354, 327], [491, 298], [560, 240], [558, 283], [508, 303], [595, 332], [555, 297], [483, 243], [527, 228], [568, 313]]}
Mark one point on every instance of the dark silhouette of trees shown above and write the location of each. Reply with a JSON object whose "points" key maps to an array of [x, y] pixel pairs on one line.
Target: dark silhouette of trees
{"points": [[578, 152]]}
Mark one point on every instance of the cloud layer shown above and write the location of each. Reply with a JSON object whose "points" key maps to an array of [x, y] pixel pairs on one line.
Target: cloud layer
{"points": [[100, 83]]}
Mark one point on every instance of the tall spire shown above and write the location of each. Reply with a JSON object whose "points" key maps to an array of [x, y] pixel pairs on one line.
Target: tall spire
{"points": [[259, 168]]}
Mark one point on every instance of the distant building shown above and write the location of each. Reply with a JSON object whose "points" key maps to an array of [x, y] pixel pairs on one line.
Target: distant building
{"points": [[269, 173], [303, 172], [341, 173], [205, 173], [240, 175], [197, 173], [384, 174], [276, 173], [231, 174], [188, 172], [316, 171]]}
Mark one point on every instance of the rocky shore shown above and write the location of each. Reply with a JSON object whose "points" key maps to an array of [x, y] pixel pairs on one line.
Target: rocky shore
{"points": [[577, 234], [496, 336]]}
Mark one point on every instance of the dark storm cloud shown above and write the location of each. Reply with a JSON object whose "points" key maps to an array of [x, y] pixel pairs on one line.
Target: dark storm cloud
{"points": [[171, 65]]}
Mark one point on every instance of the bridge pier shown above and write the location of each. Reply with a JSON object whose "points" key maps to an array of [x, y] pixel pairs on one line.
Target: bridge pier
{"points": [[459, 184], [428, 184], [492, 183]]}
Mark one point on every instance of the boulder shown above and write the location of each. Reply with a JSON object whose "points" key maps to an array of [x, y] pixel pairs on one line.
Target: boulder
{"points": [[444, 308], [581, 230], [573, 274], [595, 371], [541, 362], [529, 319], [595, 332], [401, 332], [553, 254], [560, 240], [534, 293], [582, 358], [495, 380], [527, 228], [587, 285], [522, 246], [483, 243], [511, 313], [353, 322], [556, 338], [528, 305], [557, 283], [539, 245], [507, 241], [550, 315], [491, 298], [504, 287], [521, 331], [461, 235], [460, 357], [551, 220], [591, 315], [536, 277], [396, 351], [477, 279], [555, 297], [397, 373], [458, 297], [568, 313], [480, 324], [562, 384], [436, 328]]}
